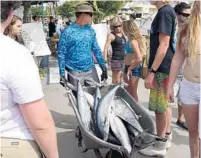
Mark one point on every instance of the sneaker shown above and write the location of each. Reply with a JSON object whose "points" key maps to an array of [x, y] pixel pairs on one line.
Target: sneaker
{"points": [[158, 149], [168, 144], [169, 140], [169, 135], [182, 124]]}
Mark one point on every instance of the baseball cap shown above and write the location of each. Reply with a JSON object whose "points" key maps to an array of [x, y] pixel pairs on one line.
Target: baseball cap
{"points": [[84, 8]]}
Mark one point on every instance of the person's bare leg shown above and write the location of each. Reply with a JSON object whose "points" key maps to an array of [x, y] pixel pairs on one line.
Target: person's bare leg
{"points": [[191, 116], [115, 76], [180, 114], [161, 124], [129, 88], [169, 119], [134, 86]]}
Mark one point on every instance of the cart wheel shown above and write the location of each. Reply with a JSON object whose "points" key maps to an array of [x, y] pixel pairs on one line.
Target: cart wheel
{"points": [[114, 154]]}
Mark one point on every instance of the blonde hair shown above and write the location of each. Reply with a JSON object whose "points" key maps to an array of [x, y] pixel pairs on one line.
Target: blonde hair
{"points": [[167, 1], [115, 21], [9, 30], [193, 33], [132, 31]]}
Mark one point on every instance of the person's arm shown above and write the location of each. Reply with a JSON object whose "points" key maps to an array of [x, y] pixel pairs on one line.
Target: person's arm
{"points": [[137, 55], [62, 51], [165, 29], [28, 94], [161, 51], [58, 29], [98, 53], [176, 65], [41, 125], [107, 44]]}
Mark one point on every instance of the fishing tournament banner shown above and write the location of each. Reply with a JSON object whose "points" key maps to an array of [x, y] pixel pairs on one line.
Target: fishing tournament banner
{"points": [[101, 35], [34, 39]]}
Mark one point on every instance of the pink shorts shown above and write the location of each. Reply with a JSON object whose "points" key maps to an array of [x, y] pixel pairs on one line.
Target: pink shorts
{"points": [[117, 65]]}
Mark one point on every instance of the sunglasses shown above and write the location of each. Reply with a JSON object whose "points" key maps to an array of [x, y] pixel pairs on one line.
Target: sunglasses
{"points": [[117, 26], [90, 14], [184, 14]]}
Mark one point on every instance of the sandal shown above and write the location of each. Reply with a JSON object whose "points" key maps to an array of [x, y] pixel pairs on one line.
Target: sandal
{"points": [[182, 124]]}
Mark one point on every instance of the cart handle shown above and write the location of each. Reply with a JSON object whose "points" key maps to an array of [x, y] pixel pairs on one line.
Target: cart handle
{"points": [[68, 85]]}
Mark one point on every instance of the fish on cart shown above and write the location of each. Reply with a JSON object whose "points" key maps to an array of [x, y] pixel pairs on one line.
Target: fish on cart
{"points": [[120, 131], [103, 112], [84, 108]]}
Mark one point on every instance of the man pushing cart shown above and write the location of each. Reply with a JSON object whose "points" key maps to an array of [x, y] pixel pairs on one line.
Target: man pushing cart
{"points": [[76, 47]]}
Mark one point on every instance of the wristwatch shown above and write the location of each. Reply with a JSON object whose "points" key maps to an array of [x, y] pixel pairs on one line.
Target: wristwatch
{"points": [[151, 70]]}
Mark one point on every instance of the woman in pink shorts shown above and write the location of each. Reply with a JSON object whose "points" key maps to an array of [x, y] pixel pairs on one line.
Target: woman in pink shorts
{"points": [[118, 41]]}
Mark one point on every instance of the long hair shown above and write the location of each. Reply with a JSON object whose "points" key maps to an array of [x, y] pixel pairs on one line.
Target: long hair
{"points": [[132, 31], [9, 30], [193, 33]]}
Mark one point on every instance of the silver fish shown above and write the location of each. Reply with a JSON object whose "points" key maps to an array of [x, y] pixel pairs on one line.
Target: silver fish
{"points": [[139, 137], [97, 98], [103, 112], [112, 139], [120, 131], [83, 107], [90, 100], [125, 112]]}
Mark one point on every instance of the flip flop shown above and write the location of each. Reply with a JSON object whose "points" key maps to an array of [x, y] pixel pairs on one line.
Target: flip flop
{"points": [[182, 124]]}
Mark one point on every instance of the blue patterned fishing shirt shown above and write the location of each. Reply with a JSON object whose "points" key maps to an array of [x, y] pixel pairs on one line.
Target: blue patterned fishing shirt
{"points": [[76, 45]]}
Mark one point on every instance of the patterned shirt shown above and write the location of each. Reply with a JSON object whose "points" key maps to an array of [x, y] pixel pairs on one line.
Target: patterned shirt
{"points": [[75, 49]]}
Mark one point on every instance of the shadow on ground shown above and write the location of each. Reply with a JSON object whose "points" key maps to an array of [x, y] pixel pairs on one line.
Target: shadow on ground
{"points": [[178, 137], [64, 121], [68, 146]]}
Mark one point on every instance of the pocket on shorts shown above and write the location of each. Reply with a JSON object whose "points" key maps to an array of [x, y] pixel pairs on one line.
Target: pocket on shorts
{"points": [[14, 148]]}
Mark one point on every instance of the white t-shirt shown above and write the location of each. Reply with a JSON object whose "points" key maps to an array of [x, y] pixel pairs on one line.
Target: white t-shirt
{"points": [[20, 83]]}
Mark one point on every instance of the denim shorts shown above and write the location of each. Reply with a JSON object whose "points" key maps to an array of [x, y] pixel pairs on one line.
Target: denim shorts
{"points": [[189, 93], [136, 72]]}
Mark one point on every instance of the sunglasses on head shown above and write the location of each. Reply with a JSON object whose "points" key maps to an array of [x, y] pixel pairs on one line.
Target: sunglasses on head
{"points": [[90, 14], [117, 26], [184, 14]]}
